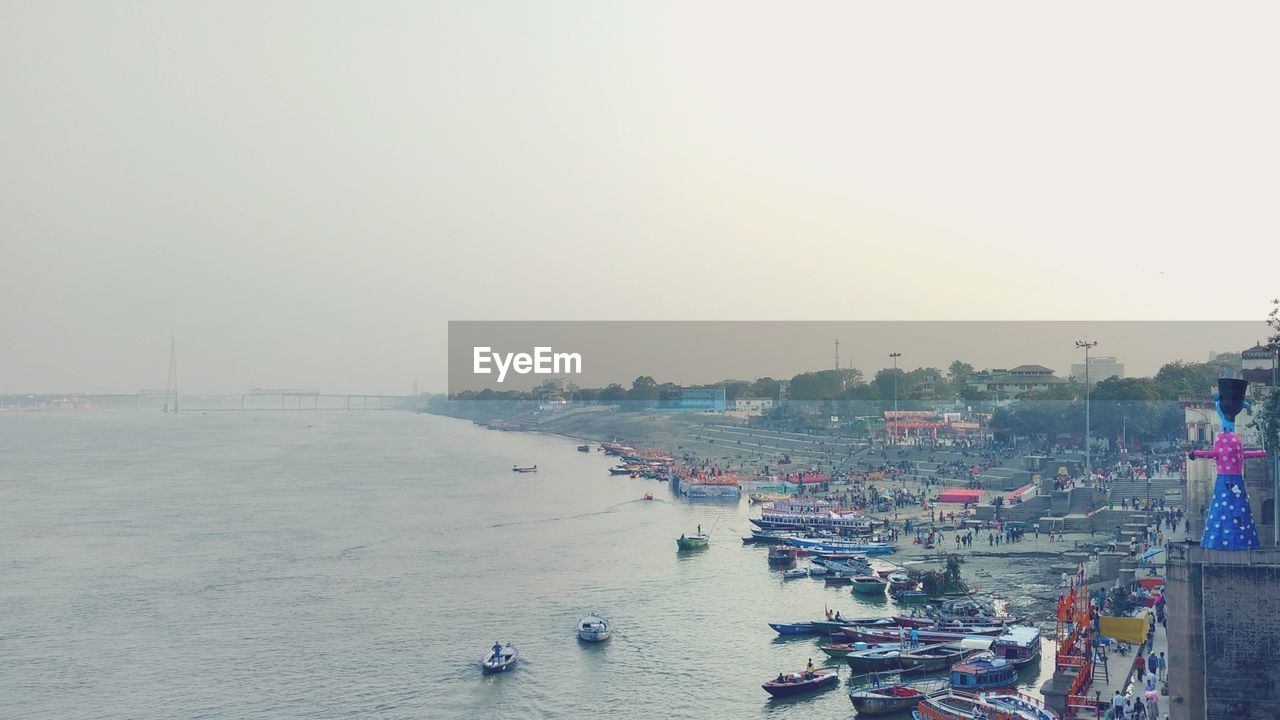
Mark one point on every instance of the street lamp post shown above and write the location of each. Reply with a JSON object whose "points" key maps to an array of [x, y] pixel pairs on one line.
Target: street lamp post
{"points": [[895, 356], [1088, 466]]}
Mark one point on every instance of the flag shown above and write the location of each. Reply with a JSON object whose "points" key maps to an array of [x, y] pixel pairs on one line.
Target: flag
{"points": [[1132, 630]]}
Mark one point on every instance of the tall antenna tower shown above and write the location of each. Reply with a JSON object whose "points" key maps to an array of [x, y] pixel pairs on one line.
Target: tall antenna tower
{"points": [[837, 353], [171, 388]]}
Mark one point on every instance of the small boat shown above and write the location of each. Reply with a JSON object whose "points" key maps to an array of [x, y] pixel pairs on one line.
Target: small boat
{"points": [[621, 471], [794, 573], [782, 555], [876, 699], [910, 597], [789, 684], [803, 628], [875, 634], [771, 537], [901, 581], [584, 448], [530, 469], [941, 655], [876, 658], [594, 628], [869, 585], [647, 496], [500, 661], [692, 542], [983, 673], [817, 570], [959, 705], [837, 624], [842, 650]]}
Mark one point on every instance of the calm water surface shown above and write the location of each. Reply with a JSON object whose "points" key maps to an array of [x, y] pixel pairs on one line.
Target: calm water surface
{"points": [[330, 565]]}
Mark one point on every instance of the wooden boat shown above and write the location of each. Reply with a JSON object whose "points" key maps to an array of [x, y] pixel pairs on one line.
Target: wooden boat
{"points": [[878, 657], [771, 537], [782, 555], [817, 570], [885, 700], [530, 469], [501, 661], [959, 705], [910, 597], [983, 673], [794, 573], [841, 650], [942, 621], [803, 628], [901, 581], [874, 698], [621, 471], [940, 656], [646, 496], [692, 542], [796, 683], [869, 585], [837, 624], [584, 448], [874, 634], [594, 628]]}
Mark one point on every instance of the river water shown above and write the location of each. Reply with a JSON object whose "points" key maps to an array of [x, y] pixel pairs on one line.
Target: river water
{"points": [[339, 565]]}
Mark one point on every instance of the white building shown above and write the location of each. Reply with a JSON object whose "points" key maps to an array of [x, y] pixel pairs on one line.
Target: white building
{"points": [[1101, 367], [753, 405]]}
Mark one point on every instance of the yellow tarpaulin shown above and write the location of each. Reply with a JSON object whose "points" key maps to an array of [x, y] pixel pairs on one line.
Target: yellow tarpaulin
{"points": [[1132, 630]]}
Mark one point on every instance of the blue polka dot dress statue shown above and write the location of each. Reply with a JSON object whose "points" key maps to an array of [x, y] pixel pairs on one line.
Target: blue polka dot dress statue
{"points": [[1229, 522]]}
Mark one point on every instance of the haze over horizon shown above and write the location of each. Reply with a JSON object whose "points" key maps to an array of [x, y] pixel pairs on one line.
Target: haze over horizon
{"points": [[303, 194]]}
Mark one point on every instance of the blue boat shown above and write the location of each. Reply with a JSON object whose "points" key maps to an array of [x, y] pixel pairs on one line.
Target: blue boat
{"points": [[804, 628], [983, 673]]}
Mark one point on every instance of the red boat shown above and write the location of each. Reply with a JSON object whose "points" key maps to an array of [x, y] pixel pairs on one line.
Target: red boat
{"points": [[878, 635], [796, 683]]}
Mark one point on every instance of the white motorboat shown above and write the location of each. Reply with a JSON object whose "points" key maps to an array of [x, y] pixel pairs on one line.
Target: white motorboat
{"points": [[594, 628]]}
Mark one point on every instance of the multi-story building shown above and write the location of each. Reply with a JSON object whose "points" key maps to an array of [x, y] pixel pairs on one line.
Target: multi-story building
{"points": [[1100, 368], [1015, 381]]}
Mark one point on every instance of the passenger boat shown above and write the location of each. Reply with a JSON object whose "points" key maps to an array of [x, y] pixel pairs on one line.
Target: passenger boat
{"points": [[1019, 645], [894, 698], [796, 683], [501, 661], [692, 542], [594, 628], [802, 628], [617, 448], [530, 469], [901, 581], [841, 650], [877, 657], [869, 585], [783, 555], [874, 634], [584, 448], [983, 673], [941, 656], [794, 573], [836, 624], [827, 544], [771, 537], [821, 515], [959, 705]]}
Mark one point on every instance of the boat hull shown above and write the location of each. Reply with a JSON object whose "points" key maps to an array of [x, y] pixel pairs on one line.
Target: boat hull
{"points": [[594, 635], [788, 689], [795, 628]]}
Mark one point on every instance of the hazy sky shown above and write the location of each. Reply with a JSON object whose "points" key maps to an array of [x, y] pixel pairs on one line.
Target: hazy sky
{"points": [[304, 193]]}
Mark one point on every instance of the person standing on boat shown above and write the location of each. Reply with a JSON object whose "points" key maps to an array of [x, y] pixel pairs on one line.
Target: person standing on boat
{"points": [[808, 670], [497, 651], [915, 637]]}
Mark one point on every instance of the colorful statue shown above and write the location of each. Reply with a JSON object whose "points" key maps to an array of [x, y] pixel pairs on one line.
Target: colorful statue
{"points": [[1229, 523]]}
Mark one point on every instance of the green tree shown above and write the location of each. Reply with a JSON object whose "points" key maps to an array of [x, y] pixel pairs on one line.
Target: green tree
{"points": [[1266, 417], [613, 393], [959, 372], [643, 388]]}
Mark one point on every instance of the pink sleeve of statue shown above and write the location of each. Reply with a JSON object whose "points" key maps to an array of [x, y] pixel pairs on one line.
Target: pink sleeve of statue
{"points": [[1255, 453], [1205, 453]]}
